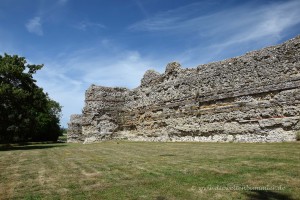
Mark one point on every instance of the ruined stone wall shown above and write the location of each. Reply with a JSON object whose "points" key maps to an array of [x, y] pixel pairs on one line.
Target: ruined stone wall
{"points": [[101, 114], [75, 129], [252, 98]]}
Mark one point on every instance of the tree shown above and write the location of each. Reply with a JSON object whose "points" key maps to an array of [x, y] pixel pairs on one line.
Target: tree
{"points": [[26, 112]]}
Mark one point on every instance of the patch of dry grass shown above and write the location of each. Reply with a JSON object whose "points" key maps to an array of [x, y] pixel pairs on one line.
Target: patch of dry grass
{"points": [[136, 170]]}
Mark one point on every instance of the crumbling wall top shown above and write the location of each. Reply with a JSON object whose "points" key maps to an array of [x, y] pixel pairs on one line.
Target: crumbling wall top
{"points": [[173, 68], [76, 118], [150, 77]]}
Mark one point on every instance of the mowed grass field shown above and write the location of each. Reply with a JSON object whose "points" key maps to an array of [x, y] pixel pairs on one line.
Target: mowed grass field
{"points": [[140, 170]]}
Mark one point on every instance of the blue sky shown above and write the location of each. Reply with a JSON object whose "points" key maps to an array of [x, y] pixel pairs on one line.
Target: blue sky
{"points": [[113, 42]]}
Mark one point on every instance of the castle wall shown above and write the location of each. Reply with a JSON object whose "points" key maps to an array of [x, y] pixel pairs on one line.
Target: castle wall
{"points": [[75, 129], [252, 98], [101, 114]]}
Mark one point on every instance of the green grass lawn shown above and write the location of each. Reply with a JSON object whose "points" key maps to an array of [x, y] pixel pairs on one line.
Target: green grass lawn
{"points": [[137, 170]]}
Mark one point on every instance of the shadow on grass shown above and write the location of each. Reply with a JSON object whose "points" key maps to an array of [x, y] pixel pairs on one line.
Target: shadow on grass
{"points": [[166, 155], [29, 146], [267, 195]]}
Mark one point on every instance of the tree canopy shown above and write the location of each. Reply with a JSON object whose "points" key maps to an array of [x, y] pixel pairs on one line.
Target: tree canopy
{"points": [[26, 111]]}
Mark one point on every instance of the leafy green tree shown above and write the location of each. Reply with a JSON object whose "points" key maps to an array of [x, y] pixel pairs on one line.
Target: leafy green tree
{"points": [[26, 112]]}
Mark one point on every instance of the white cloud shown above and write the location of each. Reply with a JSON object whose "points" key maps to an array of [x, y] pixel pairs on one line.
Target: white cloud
{"points": [[169, 20], [247, 21], [141, 8], [84, 25], [124, 70], [62, 2], [213, 36], [34, 25], [216, 34], [269, 21], [106, 64], [68, 91]]}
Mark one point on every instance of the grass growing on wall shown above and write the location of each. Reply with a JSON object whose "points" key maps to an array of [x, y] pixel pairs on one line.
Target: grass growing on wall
{"points": [[136, 170]]}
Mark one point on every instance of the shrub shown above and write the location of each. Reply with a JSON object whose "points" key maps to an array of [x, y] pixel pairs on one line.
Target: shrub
{"points": [[298, 136]]}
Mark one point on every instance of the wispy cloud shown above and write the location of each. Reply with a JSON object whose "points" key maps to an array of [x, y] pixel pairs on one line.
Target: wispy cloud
{"points": [[34, 25], [115, 61], [223, 31], [268, 21], [125, 70], [246, 21], [107, 63], [273, 18], [55, 78], [141, 7], [175, 19], [62, 2], [84, 25]]}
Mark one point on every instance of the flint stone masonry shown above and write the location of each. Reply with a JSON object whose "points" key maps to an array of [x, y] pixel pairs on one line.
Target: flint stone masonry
{"points": [[251, 98], [75, 129]]}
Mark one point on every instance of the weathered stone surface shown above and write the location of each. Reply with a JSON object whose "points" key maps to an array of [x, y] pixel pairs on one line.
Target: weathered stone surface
{"points": [[75, 129], [150, 77], [251, 98]]}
